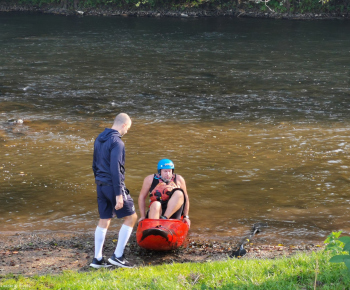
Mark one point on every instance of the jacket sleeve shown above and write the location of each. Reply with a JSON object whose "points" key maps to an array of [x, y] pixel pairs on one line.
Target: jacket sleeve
{"points": [[117, 167]]}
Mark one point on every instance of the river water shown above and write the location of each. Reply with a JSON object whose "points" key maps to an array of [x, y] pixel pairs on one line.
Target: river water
{"points": [[254, 114]]}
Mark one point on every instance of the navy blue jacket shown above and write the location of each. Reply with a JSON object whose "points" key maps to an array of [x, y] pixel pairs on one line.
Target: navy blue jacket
{"points": [[109, 160]]}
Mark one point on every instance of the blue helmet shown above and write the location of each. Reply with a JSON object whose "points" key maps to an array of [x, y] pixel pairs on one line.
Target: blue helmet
{"points": [[165, 164]]}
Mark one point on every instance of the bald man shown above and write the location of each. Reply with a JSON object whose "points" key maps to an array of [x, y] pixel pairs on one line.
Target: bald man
{"points": [[113, 197]]}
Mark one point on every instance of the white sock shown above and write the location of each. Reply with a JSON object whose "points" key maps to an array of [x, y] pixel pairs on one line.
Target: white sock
{"points": [[124, 235], [100, 235]]}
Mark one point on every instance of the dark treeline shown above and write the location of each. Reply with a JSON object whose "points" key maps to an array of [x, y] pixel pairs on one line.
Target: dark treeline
{"points": [[278, 6]]}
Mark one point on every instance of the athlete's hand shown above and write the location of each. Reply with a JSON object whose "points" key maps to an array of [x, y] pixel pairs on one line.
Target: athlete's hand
{"points": [[187, 221], [120, 202], [141, 219]]}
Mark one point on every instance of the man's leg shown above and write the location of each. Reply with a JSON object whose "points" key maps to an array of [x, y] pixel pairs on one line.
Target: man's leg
{"points": [[124, 234], [155, 210], [100, 236], [105, 209], [130, 217], [175, 202]]}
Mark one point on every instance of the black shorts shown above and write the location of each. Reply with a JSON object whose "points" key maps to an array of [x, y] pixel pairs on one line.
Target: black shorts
{"points": [[106, 201]]}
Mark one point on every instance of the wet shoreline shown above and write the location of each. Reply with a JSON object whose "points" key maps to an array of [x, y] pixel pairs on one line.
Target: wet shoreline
{"points": [[188, 13], [39, 253]]}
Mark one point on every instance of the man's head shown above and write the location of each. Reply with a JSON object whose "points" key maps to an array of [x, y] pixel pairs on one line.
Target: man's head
{"points": [[122, 123], [166, 169]]}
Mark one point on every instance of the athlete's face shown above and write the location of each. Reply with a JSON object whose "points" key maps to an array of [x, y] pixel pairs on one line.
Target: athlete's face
{"points": [[166, 174]]}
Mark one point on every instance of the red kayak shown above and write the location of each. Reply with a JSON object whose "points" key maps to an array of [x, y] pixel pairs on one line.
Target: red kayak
{"points": [[161, 235]]}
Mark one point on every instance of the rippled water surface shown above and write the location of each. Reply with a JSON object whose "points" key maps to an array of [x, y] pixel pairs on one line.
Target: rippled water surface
{"points": [[254, 113]]}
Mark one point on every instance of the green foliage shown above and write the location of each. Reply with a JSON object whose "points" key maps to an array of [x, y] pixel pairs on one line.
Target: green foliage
{"points": [[39, 2], [338, 244], [333, 244], [277, 6], [310, 6]]}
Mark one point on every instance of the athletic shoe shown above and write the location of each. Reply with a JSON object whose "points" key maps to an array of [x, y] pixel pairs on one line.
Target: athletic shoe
{"points": [[120, 262], [99, 264], [163, 217]]}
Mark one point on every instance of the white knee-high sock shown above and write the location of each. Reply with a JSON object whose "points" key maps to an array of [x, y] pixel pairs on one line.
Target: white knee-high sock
{"points": [[100, 235], [124, 235]]}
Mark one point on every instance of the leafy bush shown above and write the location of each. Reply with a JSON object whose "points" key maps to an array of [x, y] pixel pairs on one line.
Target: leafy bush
{"points": [[337, 245]]}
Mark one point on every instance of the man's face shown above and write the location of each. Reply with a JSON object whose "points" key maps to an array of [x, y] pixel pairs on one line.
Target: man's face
{"points": [[166, 174], [126, 127]]}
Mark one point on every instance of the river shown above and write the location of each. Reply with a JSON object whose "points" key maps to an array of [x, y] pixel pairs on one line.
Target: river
{"points": [[254, 113]]}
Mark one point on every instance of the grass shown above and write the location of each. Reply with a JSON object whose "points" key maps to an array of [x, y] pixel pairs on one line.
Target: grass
{"points": [[297, 272]]}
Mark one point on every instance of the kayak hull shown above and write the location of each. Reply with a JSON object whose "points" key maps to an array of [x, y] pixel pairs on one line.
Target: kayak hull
{"points": [[161, 235]]}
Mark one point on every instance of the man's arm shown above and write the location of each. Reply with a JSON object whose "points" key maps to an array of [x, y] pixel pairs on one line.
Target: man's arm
{"points": [[147, 182], [182, 184], [116, 160]]}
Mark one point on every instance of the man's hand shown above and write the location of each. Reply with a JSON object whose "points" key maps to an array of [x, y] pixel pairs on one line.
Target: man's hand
{"points": [[120, 202], [186, 220], [141, 219]]}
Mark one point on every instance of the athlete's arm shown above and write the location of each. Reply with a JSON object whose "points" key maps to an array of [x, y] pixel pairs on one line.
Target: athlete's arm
{"points": [[116, 163], [147, 182], [182, 184]]}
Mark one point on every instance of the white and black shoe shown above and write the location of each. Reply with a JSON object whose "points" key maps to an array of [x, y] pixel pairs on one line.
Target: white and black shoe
{"points": [[99, 264], [120, 262]]}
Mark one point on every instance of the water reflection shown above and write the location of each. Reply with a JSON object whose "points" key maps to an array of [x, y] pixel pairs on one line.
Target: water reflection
{"points": [[256, 122]]}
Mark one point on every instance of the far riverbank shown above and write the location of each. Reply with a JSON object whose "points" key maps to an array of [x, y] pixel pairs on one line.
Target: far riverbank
{"points": [[111, 11]]}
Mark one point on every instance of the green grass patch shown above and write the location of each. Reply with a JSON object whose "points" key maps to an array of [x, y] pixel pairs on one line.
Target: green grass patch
{"points": [[297, 272]]}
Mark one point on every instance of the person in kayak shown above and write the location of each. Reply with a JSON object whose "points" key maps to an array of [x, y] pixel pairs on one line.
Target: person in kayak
{"points": [[167, 192], [113, 197]]}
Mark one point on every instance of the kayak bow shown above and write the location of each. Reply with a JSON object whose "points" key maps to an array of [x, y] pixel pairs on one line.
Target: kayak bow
{"points": [[161, 234]]}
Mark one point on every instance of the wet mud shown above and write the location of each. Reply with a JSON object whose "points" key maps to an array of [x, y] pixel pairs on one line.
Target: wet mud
{"points": [[29, 254]]}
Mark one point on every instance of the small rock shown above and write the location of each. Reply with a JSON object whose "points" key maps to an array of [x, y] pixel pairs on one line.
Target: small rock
{"points": [[15, 121]]}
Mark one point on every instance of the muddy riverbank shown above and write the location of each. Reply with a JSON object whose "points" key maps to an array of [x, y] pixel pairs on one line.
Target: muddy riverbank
{"points": [[43, 253]]}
